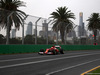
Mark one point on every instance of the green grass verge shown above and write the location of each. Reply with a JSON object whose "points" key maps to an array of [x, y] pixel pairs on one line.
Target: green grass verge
{"points": [[95, 72]]}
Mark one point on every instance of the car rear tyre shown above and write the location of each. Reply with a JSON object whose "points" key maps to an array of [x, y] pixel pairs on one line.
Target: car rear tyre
{"points": [[41, 52], [61, 51]]}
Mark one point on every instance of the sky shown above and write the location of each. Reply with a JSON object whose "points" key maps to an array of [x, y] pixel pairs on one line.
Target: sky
{"points": [[43, 8]]}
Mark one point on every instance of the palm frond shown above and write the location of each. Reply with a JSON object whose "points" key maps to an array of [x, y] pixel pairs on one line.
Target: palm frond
{"points": [[7, 6], [61, 18], [94, 21]]}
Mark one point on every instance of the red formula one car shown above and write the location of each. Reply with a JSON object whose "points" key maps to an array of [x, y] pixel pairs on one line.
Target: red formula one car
{"points": [[53, 50]]}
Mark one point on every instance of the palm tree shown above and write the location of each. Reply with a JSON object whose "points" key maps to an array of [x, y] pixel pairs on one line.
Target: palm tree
{"points": [[16, 17], [61, 20], [94, 24]]}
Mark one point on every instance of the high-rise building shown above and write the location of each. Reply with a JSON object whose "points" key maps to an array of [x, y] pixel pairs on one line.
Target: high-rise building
{"points": [[13, 33], [81, 29], [45, 33], [81, 19], [45, 26], [29, 29], [44, 30]]}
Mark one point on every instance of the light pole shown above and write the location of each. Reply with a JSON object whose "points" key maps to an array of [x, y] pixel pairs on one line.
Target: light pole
{"points": [[80, 42], [36, 30], [23, 29], [8, 33], [47, 31], [73, 33]]}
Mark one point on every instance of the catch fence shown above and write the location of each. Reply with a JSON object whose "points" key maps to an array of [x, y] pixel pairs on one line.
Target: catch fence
{"points": [[38, 30]]}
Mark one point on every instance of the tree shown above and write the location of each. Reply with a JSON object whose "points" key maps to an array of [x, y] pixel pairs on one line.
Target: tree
{"points": [[94, 24], [16, 17], [61, 19], [29, 39], [15, 41]]}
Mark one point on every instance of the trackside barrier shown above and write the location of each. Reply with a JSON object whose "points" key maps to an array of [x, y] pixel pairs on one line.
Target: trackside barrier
{"points": [[10, 49]]}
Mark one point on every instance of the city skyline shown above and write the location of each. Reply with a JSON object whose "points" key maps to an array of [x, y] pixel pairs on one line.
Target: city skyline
{"points": [[30, 31], [40, 9]]}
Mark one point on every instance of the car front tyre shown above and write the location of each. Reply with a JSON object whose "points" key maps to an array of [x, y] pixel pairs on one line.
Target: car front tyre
{"points": [[61, 51]]}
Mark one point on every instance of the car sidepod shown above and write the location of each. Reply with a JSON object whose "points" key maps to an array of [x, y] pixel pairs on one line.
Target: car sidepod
{"points": [[48, 51]]}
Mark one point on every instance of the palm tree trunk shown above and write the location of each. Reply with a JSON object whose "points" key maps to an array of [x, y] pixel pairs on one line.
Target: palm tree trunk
{"points": [[62, 35], [95, 34], [8, 27]]}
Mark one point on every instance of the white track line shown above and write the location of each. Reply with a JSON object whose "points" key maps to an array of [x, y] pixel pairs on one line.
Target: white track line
{"points": [[36, 57], [71, 67], [32, 57], [22, 58], [44, 61]]}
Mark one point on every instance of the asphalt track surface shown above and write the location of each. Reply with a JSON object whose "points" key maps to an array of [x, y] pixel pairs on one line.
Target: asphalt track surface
{"points": [[70, 63]]}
